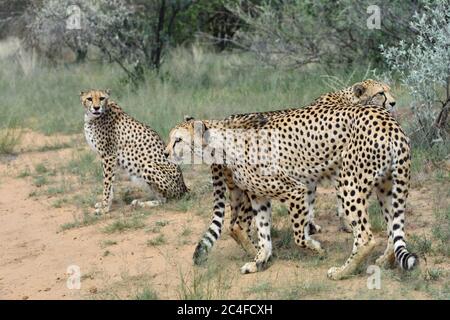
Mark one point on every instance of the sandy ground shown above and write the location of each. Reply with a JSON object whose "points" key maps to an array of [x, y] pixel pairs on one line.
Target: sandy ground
{"points": [[35, 253]]}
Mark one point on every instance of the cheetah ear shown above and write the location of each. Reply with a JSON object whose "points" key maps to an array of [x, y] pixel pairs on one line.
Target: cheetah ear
{"points": [[108, 91], [188, 118], [82, 93], [358, 89]]}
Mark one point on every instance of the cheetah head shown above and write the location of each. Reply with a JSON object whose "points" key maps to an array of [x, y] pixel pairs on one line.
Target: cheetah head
{"points": [[185, 140], [94, 102], [374, 93]]}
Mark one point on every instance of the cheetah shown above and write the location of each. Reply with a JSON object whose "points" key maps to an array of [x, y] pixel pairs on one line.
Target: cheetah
{"points": [[363, 148], [364, 93], [367, 92], [122, 142]]}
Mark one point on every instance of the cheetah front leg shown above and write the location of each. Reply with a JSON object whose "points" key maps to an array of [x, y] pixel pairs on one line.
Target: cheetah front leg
{"points": [[263, 223], [109, 168]]}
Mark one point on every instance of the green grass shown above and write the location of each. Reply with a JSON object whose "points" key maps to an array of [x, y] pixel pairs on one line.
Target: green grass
{"points": [[24, 173], [280, 210], [441, 231], [422, 245], [9, 139], [159, 240], [59, 203], [53, 147], [87, 220], [301, 289], [205, 85], [124, 224], [261, 290], [376, 218], [86, 166], [108, 243], [209, 284], [40, 181], [435, 274], [146, 293], [40, 168], [161, 223], [186, 232]]}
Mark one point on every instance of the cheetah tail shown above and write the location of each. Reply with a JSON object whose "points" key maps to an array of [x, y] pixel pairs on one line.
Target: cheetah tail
{"points": [[401, 175], [215, 229]]}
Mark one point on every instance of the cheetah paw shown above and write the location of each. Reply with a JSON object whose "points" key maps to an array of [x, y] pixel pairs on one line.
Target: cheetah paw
{"points": [[336, 273], [250, 267], [315, 246], [100, 208], [145, 204]]}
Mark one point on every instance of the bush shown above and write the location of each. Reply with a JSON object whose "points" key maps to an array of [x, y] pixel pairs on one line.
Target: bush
{"points": [[295, 33], [423, 64]]}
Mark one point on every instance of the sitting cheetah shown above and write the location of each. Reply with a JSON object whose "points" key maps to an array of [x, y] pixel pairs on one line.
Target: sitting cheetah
{"points": [[123, 142], [365, 92], [364, 147]]}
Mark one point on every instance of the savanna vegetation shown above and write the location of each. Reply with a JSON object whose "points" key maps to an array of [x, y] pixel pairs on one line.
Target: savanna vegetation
{"points": [[164, 59]]}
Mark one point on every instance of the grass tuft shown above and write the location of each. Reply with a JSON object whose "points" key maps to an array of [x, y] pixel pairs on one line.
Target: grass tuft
{"points": [[146, 293], [86, 221], [9, 139], [124, 224], [159, 240]]}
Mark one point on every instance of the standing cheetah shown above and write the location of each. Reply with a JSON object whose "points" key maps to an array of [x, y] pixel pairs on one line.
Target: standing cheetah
{"points": [[123, 142], [368, 92], [364, 148]]}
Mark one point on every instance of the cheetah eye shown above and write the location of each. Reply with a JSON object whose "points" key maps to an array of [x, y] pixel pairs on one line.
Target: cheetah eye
{"points": [[177, 140], [102, 98], [381, 92], [89, 99]]}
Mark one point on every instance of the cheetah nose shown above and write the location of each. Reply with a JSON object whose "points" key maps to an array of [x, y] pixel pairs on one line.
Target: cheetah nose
{"points": [[96, 108], [392, 103]]}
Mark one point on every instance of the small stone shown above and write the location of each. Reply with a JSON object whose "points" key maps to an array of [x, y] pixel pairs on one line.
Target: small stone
{"points": [[25, 297], [93, 290]]}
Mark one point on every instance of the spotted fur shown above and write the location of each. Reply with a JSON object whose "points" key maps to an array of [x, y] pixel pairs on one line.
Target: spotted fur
{"points": [[363, 148], [123, 142], [368, 91]]}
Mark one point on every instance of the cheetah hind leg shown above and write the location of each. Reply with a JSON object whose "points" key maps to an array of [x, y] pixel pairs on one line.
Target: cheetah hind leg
{"points": [[244, 217], [242, 238], [313, 228], [387, 260]]}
